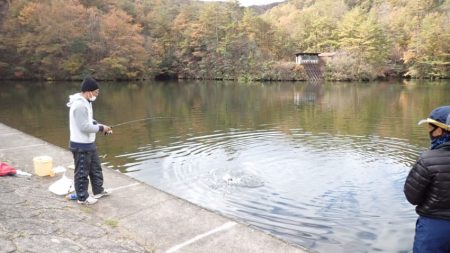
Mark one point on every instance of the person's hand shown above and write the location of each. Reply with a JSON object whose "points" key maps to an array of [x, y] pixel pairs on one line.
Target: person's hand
{"points": [[107, 130]]}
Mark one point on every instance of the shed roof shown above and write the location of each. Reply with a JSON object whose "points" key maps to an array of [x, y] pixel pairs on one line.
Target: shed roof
{"points": [[304, 53]]}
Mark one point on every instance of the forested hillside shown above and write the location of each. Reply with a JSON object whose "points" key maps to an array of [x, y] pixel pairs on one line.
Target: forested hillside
{"points": [[139, 39]]}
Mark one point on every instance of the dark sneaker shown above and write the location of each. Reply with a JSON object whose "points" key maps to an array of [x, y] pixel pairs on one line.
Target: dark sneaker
{"points": [[102, 194], [89, 201]]}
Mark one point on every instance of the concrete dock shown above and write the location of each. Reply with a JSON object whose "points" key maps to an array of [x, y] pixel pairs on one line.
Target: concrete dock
{"points": [[136, 217]]}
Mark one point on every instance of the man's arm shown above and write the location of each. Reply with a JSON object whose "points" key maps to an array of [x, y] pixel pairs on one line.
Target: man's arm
{"points": [[81, 118]]}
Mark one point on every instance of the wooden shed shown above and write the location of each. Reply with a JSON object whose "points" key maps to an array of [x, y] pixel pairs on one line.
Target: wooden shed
{"points": [[313, 63], [307, 58]]}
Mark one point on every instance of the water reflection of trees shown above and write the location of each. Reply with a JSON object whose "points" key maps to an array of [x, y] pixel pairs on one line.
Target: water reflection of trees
{"points": [[199, 108]]}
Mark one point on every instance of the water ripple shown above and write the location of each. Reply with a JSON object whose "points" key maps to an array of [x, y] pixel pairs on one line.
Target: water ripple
{"points": [[331, 193]]}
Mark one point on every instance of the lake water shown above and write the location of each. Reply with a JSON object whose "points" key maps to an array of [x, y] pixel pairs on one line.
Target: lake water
{"points": [[320, 165]]}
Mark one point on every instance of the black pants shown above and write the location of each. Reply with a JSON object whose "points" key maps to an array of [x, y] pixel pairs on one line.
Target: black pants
{"points": [[87, 166]]}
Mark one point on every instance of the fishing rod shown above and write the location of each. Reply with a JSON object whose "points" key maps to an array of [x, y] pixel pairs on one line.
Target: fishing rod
{"points": [[134, 121], [139, 120]]}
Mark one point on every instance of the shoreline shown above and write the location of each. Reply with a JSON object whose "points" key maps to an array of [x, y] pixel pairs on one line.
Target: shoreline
{"points": [[135, 218]]}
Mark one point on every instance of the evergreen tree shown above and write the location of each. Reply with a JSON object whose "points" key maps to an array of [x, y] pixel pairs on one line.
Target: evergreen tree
{"points": [[428, 53], [363, 38]]}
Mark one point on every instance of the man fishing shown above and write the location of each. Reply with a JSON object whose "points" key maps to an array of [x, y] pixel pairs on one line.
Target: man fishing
{"points": [[428, 186], [83, 129]]}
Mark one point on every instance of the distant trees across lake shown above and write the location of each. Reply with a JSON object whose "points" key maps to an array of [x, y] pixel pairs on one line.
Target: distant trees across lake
{"points": [[131, 39]]}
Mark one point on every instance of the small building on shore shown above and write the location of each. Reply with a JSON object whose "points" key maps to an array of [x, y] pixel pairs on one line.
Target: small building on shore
{"points": [[307, 58], [313, 58], [313, 63]]}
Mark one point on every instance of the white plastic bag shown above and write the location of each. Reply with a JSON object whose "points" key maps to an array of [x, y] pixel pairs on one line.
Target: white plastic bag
{"points": [[63, 186], [59, 169]]}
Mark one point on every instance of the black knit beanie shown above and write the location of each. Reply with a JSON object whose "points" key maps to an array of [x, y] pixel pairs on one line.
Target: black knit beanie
{"points": [[89, 84]]}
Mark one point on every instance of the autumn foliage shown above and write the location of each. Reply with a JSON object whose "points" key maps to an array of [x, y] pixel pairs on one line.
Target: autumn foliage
{"points": [[141, 39]]}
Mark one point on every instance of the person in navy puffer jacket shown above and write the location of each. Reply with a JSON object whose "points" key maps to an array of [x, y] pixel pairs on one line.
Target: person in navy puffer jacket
{"points": [[428, 187]]}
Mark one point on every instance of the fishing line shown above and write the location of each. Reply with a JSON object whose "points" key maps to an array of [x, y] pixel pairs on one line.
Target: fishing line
{"points": [[134, 121], [139, 120]]}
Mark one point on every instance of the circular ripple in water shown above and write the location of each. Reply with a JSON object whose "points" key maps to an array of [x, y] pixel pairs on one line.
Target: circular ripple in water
{"points": [[328, 193]]}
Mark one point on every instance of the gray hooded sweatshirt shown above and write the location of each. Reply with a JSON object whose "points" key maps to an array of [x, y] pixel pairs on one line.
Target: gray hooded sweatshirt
{"points": [[83, 127]]}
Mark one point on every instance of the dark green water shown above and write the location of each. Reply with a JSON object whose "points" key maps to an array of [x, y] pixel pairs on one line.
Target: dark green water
{"points": [[319, 165]]}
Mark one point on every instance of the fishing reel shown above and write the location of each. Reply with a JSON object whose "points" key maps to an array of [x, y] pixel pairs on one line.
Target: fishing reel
{"points": [[109, 132]]}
